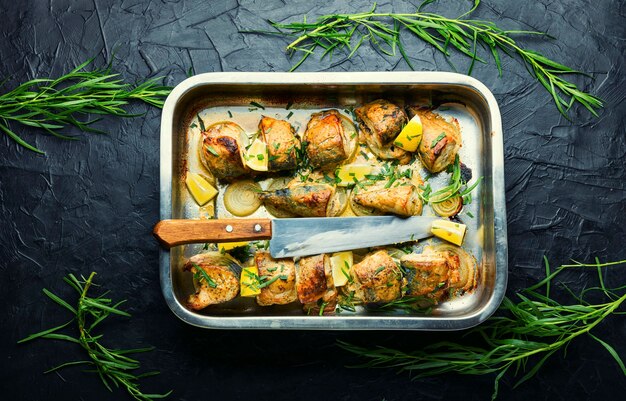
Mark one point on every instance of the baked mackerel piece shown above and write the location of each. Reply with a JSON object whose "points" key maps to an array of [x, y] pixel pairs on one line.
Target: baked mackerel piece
{"points": [[282, 143], [329, 139], [441, 139], [315, 285], [427, 274], [301, 199], [281, 276], [402, 199], [376, 279], [380, 122], [222, 150], [218, 281]]}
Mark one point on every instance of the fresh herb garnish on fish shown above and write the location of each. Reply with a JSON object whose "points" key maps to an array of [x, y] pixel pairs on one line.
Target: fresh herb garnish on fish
{"points": [[200, 275], [345, 33], [114, 366], [522, 337], [54, 105]]}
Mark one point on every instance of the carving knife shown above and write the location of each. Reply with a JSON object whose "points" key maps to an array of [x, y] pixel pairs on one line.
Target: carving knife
{"points": [[298, 236]]}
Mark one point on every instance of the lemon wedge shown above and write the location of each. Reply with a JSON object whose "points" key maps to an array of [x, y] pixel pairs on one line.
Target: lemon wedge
{"points": [[410, 136], [201, 190], [340, 264], [249, 282], [256, 156], [229, 246], [350, 174], [449, 231]]}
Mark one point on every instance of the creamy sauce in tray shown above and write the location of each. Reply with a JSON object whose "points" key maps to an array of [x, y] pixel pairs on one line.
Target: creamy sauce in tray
{"points": [[248, 118]]}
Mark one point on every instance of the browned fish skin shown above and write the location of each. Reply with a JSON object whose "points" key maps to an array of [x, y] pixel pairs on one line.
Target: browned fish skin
{"points": [[282, 143], [376, 278], [307, 200], [435, 154], [311, 278], [427, 274], [224, 274], [380, 122], [280, 292], [402, 200], [326, 143], [383, 119], [315, 285], [222, 150]]}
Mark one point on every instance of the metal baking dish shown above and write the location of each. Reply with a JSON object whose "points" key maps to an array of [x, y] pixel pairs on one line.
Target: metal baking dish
{"points": [[470, 101]]}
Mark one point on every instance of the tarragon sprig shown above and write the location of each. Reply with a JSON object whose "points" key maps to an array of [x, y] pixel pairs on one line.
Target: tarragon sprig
{"points": [[522, 337], [114, 366], [55, 104], [347, 32]]}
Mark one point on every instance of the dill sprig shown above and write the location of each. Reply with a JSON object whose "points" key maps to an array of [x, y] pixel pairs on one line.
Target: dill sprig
{"points": [[347, 32], [55, 104], [522, 337], [112, 365]]}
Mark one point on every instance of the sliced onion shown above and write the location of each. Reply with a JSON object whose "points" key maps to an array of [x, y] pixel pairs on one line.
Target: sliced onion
{"points": [[351, 138], [241, 198], [337, 203], [467, 266], [449, 207], [278, 183]]}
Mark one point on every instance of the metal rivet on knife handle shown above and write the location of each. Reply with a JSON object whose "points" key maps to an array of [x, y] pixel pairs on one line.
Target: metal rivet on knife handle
{"points": [[229, 228]]}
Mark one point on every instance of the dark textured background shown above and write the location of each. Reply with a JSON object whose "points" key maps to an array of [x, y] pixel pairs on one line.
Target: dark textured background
{"points": [[90, 204]]}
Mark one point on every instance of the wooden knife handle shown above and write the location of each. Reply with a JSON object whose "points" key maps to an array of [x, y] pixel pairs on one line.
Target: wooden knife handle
{"points": [[178, 232]]}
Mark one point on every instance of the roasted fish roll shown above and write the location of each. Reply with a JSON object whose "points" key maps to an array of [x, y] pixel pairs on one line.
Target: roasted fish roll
{"points": [[375, 279], [216, 278], [402, 200], [314, 284], [427, 274], [282, 143], [277, 280], [441, 139], [302, 199], [382, 120], [222, 150], [327, 143]]}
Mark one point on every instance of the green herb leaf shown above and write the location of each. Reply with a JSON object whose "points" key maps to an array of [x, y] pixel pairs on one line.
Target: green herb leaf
{"points": [[345, 33], [111, 365]]}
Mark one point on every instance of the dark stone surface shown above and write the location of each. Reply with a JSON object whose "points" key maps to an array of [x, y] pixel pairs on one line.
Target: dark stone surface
{"points": [[90, 204]]}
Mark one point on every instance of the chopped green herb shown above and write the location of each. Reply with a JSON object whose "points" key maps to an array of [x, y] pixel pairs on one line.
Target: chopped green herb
{"points": [[288, 106], [258, 105], [212, 150], [260, 156], [268, 282], [202, 128], [380, 269], [230, 114], [201, 275], [289, 115], [436, 140]]}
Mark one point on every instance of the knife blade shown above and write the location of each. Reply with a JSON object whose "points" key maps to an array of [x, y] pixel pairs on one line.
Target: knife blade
{"points": [[298, 236]]}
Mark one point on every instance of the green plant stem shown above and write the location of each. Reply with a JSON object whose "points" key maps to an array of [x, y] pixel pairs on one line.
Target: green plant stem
{"points": [[347, 32], [535, 326], [112, 365], [55, 104]]}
